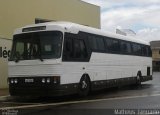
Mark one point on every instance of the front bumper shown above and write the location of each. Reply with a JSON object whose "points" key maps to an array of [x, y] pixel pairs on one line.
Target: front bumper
{"points": [[37, 88]]}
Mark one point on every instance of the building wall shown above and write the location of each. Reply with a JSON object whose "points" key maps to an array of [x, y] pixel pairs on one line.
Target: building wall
{"points": [[156, 59], [155, 46], [156, 54], [5, 45], [18, 13]]}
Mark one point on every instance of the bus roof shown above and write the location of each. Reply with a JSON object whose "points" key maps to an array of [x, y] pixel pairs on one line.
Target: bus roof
{"points": [[75, 28]]}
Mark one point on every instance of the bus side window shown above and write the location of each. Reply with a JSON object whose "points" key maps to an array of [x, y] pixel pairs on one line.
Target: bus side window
{"points": [[74, 50], [79, 49], [92, 42], [68, 52], [149, 51], [69, 45], [144, 50], [83, 49], [125, 47], [96, 43], [136, 49], [100, 44], [112, 45]]}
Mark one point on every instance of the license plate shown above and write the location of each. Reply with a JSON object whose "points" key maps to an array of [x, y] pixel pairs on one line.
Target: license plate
{"points": [[29, 80]]}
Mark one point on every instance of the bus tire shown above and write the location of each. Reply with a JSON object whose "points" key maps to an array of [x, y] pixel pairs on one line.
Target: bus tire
{"points": [[138, 81], [84, 86]]}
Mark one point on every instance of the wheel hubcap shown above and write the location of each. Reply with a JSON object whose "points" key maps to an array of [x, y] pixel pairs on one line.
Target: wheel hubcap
{"points": [[84, 85]]}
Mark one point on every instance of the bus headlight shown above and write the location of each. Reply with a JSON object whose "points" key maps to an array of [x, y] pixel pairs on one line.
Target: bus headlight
{"points": [[43, 80], [54, 79], [15, 81], [48, 80], [12, 81]]}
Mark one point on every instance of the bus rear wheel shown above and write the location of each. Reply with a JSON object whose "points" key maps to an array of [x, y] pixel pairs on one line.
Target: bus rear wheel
{"points": [[84, 86]]}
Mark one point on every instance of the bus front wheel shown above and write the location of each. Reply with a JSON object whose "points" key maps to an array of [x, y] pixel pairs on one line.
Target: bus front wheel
{"points": [[84, 86]]}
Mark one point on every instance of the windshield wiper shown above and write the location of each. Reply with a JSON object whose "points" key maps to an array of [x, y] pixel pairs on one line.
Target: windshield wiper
{"points": [[17, 57]]}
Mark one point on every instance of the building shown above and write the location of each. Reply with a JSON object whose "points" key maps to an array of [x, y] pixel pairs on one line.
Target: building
{"points": [[155, 46], [5, 45], [18, 13]]}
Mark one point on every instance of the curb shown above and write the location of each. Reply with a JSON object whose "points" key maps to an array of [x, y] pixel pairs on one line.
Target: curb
{"points": [[3, 98]]}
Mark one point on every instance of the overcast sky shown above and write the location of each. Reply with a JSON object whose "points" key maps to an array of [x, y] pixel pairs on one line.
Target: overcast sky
{"points": [[142, 16]]}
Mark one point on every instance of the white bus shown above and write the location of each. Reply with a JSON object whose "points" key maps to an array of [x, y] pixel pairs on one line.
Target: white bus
{"points": [[61, 58]]}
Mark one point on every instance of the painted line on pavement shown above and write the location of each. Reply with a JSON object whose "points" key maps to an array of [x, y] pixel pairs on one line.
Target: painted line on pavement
{"points": [[76, 102]]}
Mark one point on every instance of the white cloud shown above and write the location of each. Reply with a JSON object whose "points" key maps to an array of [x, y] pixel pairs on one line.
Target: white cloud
{"points": [[118, 17], [149, 34], [130, 16], [123, 3], [135, 18], [139, 15]]}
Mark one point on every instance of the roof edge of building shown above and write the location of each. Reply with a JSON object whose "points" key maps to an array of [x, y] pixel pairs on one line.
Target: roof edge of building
{"points": [[90, 3]]}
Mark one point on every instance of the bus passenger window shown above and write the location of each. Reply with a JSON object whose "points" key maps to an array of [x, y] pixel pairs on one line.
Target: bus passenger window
{"points": [[68, 53], [112, 45], [144, 50], [79, 49], [100, 44], [137, 49], [92, 42], [83, 49], [125, 47], [74, 50], [149, 51]]}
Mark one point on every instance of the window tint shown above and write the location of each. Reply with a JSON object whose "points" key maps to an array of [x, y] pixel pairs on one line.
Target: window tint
{"points": [[96, 43], [144, 50], [112, 45], [136, 49], [83, 49], [75, 50], [79, 49], [92, 42], [100, 44], [68, 49], [125, 47], [149, 51]]}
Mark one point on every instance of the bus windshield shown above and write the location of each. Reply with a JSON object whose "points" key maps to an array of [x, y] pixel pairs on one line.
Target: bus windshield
{"points": [[37, 45]]}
